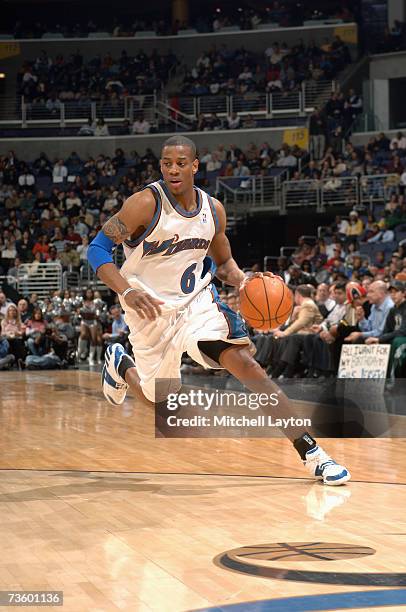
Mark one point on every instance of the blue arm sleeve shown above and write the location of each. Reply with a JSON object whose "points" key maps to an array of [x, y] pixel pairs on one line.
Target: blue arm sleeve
{"points": [[100, 251]]}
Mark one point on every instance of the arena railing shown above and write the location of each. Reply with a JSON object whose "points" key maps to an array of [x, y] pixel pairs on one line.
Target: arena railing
{"points": [[378, 188], [6, 279], [26, 114], [364, 190], [40, 278], [183, 109], [251, 192], [311, 94]]}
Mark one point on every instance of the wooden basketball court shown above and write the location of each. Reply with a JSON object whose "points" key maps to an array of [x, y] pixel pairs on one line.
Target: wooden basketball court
{"points": [[91, 503]]}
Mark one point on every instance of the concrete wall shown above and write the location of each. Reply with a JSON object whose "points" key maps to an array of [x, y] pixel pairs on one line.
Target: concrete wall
{"points": [[388, 65], [29, 148]]}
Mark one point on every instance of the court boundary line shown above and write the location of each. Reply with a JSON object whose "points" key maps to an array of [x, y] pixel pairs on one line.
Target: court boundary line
{"points": [[81, 471]]}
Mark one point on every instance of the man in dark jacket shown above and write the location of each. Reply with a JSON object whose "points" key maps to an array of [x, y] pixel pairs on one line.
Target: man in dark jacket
{"points": [[394, 332]]}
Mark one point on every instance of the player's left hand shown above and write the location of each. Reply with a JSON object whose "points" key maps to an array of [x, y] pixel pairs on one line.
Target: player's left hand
{"points": [[249, 276]]}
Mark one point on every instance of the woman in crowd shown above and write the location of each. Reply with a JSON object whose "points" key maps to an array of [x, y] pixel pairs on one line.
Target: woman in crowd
{"points": [[13, 330], [35, 332]]}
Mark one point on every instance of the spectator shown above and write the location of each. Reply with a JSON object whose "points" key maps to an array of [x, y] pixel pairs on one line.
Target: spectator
{"points": [[233, 121], [4, 304], [101, 128], [290, 340], [6, 359], [70, 257], [373, 326], [317, 129], [119, 328], [35, 333], [22, 306], [59, 172], [355, 226], [141, 126], [13, 330], [394, 332], [88, 129]]}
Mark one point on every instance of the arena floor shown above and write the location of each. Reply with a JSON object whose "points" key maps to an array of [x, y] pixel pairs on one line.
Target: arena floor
{"points": [[92, 504]]}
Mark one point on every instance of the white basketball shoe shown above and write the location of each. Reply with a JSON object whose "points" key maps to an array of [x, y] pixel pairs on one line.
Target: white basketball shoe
{"points": [[324, 468], [114, 386]]}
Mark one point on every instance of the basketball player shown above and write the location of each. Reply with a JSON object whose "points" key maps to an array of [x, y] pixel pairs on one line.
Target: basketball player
{"points": [[174, 241]]}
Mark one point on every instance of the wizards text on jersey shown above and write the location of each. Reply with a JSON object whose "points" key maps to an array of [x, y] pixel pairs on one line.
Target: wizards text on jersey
{"points": [[173, 245]]}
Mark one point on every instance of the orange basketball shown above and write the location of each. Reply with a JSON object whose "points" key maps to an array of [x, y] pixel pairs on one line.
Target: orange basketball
{"points": [[266, 302]]}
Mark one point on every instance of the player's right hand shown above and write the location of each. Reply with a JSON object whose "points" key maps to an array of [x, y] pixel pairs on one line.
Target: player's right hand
{"points": [[144, 304]]}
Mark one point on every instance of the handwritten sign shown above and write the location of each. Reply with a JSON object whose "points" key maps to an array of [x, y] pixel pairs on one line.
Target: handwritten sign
{"points": [[364, 361]]}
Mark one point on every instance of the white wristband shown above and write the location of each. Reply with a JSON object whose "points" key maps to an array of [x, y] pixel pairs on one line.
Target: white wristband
{"points": [[127, 291]]}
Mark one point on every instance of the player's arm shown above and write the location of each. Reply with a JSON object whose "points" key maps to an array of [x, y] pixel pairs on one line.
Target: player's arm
{"points": [[220, 250], [132, 220]]}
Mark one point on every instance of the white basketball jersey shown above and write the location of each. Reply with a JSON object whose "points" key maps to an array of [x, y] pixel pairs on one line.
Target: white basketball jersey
{"points": [[168, 259]]}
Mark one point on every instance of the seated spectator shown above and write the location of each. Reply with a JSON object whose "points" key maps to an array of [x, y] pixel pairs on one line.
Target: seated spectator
{"points": [[6, 359], [398, 142], [22, 306], [249, 122], [394, 331], [290, 339], [241, 169], [323, 299], [82, 250], [13, 330], [233, 121], [35, 332], [373, 326], [101, 128], [59, 172], [355, 226], [88, 129], [119, 329], [70, 258], [141, 126]]}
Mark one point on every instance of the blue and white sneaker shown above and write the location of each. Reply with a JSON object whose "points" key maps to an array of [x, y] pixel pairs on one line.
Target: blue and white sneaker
{"points": [[324, 468], [114, 386]]}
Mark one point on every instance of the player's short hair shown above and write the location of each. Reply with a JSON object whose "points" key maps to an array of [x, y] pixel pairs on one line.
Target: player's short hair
{"points": [[180, 141]]}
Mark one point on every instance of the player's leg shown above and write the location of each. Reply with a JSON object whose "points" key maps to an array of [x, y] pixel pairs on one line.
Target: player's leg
{"points": [[239, 362], [154, 372], [119, 373]]}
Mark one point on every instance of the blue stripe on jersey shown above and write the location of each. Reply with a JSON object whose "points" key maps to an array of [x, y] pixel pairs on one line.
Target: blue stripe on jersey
{"points": [[208, 266], [235, 323], [179, 209], [134, 243], [214, 213]]}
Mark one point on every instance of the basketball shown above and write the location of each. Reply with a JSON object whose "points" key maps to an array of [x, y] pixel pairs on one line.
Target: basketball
{"points": [[266, 302]]}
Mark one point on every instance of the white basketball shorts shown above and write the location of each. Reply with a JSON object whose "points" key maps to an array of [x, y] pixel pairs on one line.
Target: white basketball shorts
{"points": [[158, 345]]}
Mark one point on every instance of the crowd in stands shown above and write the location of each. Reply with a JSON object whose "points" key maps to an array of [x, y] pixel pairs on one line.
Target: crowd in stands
{"points": [[50, 80], [63, 330], [50, 210], [280, 68], [342, 295], [344, 292], [246, 16]]}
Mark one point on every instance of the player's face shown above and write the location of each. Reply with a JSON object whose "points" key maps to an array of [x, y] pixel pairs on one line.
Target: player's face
{"points": [[178, 168]]}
